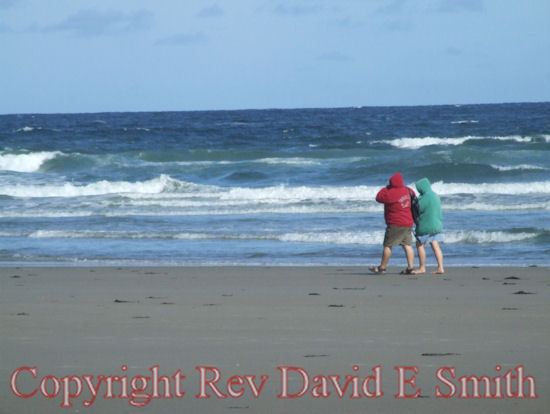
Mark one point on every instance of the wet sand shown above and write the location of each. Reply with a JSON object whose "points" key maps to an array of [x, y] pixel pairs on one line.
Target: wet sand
{"points": [[249, 322]]}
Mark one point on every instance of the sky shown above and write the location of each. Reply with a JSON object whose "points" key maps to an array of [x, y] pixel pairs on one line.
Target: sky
{"points": [[63, 56]]}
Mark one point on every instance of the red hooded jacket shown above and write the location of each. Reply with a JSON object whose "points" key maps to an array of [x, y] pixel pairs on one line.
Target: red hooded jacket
{"points": [[397, 202]]}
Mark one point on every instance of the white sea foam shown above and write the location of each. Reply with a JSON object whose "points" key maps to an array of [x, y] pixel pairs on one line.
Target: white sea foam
{"points": [[28, 162], [165, 191], [361, 238], [364, 238], [47, 234], [46, 214], [155, 185], [535, 187], [416, 143], [465, 121], [486, 237], [377, 237], [80, 234], [283, 193], [476, 206], [517, 167], [27, 129], [289, 161]]}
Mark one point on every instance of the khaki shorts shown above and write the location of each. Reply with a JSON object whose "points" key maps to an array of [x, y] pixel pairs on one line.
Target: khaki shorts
{"points": [[398, 236]]}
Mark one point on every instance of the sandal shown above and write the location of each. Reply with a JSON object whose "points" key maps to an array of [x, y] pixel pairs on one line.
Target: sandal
{"points": [[407, 272], [377, 269]]}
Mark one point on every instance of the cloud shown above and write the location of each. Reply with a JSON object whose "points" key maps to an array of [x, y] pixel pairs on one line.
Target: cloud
{"points": [[453, 51], [451, 6], [396, 7], [392, 7], [296, 9], [349, 22], [334, 56], [6, 4], [89, 23], [212, 11], [399, 25], [182, 39]]}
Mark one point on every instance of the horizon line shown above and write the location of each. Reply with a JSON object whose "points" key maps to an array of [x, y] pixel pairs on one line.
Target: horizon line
{"points": [[272, 108]]}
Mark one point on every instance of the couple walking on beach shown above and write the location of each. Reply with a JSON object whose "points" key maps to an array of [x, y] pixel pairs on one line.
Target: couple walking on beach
{"points": [[396, 198]]}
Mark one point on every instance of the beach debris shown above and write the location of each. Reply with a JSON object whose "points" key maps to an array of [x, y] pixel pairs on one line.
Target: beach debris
{"points": [[523, 292], [167, 303], [210, 304], [314, 294], [140, 317], [335, 306], [124, 301], [512, 278], [15, 277], [509, 308], [22, 314], [315, 355], [157, 297]]}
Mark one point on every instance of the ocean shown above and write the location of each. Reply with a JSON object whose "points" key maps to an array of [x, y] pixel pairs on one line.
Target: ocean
{"points": [[270, 187]]}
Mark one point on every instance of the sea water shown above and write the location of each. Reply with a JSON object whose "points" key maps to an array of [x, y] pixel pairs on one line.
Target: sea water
{"points": [[270, 187]]}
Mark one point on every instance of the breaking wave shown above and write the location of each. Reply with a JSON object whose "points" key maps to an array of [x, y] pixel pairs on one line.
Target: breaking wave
{"points": [[365, 238], [417, 143], [26, 162]]}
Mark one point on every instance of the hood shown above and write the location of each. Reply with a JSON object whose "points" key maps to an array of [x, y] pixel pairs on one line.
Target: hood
{"points": [[423, 186], [397, 180]]}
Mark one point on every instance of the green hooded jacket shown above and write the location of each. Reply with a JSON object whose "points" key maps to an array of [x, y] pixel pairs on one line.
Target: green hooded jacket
{"points": [[430, 221]]}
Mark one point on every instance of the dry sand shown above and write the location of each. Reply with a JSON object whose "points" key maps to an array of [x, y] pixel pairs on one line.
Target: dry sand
{"points": [[77, 321]]}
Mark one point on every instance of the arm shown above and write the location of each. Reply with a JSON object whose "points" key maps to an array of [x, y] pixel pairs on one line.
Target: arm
{"points": [[382, 196]]}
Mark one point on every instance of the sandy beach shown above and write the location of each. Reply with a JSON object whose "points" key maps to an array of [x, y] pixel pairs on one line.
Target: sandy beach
{"points": [[280, 339]]}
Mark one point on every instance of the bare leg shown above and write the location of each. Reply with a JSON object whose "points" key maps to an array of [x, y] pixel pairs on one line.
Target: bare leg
{"points": [[409, 252], [386, 254], [438, 256], [421, 258]]}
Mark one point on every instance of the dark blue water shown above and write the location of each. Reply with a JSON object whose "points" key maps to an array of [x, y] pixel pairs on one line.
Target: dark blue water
{"points": [[270, 186]]}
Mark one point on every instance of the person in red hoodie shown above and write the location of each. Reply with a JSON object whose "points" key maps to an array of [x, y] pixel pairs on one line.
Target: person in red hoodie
{"points": [[399, 222]]}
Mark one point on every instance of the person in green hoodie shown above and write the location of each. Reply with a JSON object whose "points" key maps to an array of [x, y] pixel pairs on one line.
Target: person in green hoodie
{"points": [[429, 226]]}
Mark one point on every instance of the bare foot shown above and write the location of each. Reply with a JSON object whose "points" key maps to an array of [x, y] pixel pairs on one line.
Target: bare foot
{"points": [[418, 271], [438, 272]]}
